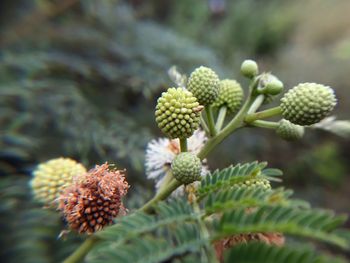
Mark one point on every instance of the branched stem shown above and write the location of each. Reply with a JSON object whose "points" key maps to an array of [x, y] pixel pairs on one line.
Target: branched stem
{"points": [[221, 118], [256, 104], [210, 118], [265, 124], [204, 125], [161, 195], [236, 123], [263, 114]]}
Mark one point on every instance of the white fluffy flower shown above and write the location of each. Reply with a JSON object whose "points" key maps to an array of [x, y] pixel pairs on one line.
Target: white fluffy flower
{"points": [[161, 152]]}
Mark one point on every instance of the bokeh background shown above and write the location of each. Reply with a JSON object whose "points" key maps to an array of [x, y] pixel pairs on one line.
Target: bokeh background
{"points": [[80, 79]]}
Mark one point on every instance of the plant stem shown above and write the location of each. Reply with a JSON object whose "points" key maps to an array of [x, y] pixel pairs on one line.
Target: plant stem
{"points": [[161, 195], [265, 124], [205, 234], [210, 118], [204, 125], [81, 252], [234, 124], [263, 114], [256, 104], [221, 118], [167, 179], [183, 144]]}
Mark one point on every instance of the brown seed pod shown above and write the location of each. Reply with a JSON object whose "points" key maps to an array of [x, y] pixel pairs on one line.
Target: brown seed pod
{"points": [[94, 200]]}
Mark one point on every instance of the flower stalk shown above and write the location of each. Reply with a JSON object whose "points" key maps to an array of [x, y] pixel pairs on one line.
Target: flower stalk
{"points": [[263, 114]]}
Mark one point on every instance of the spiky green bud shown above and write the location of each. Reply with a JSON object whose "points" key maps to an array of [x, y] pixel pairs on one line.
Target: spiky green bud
{"points": [[307, 103], [204, 84], [177, 113], [249, 68], [289, 131], [186, 167], [53, 176], [230, 95]]}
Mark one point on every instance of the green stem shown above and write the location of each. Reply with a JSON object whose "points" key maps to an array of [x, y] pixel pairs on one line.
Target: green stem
{"points": [[265, 124], [204, 125], [256, 104], [81, 252], [167, 178], [221, 118], [236, 123], [263, 114], [161, 195], [205, 234], [210, 118], [183, 144]]}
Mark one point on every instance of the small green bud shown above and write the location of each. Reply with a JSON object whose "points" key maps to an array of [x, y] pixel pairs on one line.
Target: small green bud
{"points": [[274, 86], [230, 95], [289, 131], [307, 103], [204, 84], [249, 68], [186, 167], [177, 113]]}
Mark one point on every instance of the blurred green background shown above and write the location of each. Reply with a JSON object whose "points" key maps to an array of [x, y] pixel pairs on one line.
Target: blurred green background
{"points": [[81, 78]]}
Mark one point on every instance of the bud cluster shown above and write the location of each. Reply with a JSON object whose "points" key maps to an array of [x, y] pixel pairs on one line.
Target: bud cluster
{"points": [[230, 95], [186, 168], [204, 84], [307, 103], [289, 131], [177, 113], [51, 177]]}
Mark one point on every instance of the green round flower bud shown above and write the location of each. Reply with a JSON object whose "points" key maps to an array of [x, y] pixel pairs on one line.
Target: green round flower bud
{"points": [[249, 68], [230, 95], [254, 184], [177, 113], [204, 84], [307, 103], [274, 86], [186, 167], [53, 176], [269, 84], [289, 131]]}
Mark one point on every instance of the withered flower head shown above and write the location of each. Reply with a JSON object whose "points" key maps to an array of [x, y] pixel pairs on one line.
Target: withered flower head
{"points": [[93, 200], [276, 239]]}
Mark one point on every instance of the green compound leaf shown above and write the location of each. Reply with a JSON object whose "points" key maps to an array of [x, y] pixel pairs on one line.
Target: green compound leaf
{"points": [[311, 223], [232, 175], [238, 197], [262, 253], [139, 223]]}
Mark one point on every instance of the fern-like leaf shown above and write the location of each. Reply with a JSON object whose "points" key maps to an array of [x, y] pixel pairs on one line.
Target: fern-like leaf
{"points": [[235, 197], [262, 253], [184, 238], [316, 224], [232, 175], [139, 223]]}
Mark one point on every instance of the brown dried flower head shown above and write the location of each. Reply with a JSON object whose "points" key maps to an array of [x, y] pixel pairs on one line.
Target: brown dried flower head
{"points": [[94, 199], [276, 239]]}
